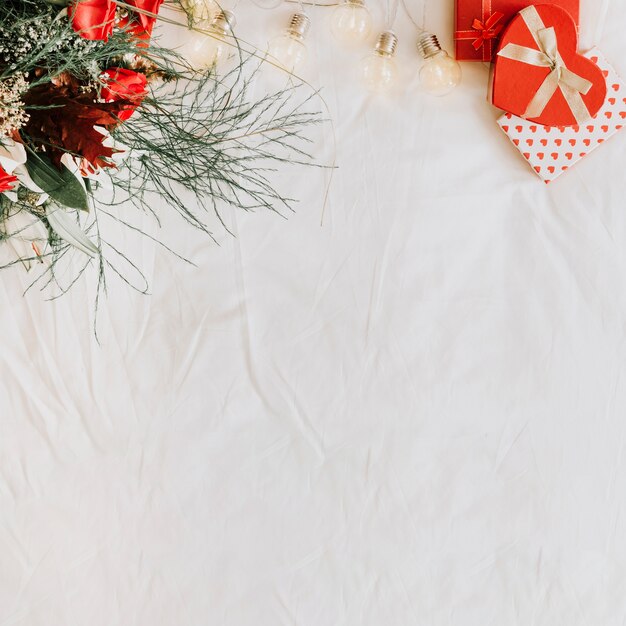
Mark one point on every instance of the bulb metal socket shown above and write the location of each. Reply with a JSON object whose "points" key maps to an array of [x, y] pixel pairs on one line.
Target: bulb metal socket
{"points": [[299, 25], [386, 44], [428, 45], [224, 22]]}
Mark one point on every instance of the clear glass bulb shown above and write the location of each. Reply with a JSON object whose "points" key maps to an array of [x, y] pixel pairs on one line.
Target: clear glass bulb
{"points": [[216, 50], [351, 22], [379, 71], [204, 51], [288, 51], [440, 74]]}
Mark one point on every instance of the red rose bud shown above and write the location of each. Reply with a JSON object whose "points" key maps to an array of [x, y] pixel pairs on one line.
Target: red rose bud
{"points": [[6, 181], [123, 84], [140, 24], [93, 19]]}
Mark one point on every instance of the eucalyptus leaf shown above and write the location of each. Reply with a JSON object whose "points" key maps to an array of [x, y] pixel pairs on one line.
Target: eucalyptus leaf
{"points": [[66, 228], [61, 185]]}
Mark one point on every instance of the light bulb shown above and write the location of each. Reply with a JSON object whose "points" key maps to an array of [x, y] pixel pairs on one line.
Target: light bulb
{"points": [[288, 49], [201, 10], [206, 51], [379, 68], [440, 73], [351, 22]]}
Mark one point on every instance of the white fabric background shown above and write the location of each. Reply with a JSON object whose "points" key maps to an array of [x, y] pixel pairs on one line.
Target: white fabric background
{"points": [[413, 415]]}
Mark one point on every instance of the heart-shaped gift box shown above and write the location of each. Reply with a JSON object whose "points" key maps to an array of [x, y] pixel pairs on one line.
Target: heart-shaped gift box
{"points": [[539, 74]]}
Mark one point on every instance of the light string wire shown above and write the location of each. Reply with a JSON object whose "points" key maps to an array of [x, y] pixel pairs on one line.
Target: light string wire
{"points": [[420, 28], [391, 14], [273, 4], [310, 4]]}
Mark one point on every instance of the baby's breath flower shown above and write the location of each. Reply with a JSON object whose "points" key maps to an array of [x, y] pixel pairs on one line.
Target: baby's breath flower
{"points": [[12, 114], [41, 34]]}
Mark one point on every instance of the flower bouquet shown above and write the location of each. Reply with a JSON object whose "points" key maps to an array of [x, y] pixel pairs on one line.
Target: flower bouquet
{"points": [[98, 118]]}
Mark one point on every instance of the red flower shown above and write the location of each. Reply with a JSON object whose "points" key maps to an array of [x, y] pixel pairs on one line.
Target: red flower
{"points": [[93, 19], [140, 24], [122, 84], [6, 181]]}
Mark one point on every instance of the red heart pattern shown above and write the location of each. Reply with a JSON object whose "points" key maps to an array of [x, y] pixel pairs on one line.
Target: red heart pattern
{"points": [[573, 143], [515, 83]]}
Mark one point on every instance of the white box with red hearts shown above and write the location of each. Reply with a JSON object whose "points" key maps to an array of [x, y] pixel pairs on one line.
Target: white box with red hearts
{"points": [[552, 150]]}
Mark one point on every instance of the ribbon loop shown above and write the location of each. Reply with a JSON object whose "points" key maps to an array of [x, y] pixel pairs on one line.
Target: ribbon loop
{"points": [[484, 31], [560, 77]]}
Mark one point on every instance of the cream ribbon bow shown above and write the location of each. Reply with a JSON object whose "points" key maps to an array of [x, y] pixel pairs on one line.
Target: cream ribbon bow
{"points": [[571, 85]]}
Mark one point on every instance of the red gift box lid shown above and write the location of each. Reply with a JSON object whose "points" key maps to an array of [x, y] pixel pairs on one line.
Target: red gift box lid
{"points": [[479, 23]]}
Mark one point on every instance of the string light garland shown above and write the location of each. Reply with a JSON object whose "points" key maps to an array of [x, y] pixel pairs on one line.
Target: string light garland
{"points": [[351, 24]]}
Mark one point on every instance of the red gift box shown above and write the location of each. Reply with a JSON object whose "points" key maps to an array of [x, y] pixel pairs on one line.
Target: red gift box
{"points": [[480, 22]]}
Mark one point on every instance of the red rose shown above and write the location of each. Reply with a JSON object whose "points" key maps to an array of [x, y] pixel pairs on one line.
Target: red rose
{"points": [[93, 19], [6, 181], [141, 24], [122, 84]]}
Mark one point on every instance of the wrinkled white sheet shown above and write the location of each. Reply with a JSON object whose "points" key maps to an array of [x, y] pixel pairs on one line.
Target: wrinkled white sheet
{"points": [[412, 415]]}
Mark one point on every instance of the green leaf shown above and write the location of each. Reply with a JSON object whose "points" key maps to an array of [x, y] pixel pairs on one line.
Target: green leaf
{"points": [[66, 228], [61, 185]]}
